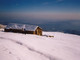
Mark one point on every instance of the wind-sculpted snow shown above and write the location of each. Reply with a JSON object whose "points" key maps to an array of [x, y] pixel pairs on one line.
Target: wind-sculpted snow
{"points": [[15, 46]]}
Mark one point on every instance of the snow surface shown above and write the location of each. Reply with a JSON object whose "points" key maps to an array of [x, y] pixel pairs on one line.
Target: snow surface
{"points": [[16, 46]]}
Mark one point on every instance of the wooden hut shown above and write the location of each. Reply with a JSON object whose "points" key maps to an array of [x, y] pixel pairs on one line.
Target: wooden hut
{"points": [[23, 28]]}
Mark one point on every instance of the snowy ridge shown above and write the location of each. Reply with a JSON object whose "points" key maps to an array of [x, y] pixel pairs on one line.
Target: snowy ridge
{"points": [[15, 46]]}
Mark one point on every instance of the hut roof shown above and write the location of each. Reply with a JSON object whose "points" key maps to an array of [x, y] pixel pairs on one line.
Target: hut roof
{"points": [[21, 26]]}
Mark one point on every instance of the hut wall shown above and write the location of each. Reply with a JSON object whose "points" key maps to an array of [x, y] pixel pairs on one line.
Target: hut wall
{"points": [[38, 31], [29, 32], [19, 31], [14, 30]]}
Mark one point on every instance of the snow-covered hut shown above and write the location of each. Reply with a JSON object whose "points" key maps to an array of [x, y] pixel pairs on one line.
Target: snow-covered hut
{"points": [[23, 28]]}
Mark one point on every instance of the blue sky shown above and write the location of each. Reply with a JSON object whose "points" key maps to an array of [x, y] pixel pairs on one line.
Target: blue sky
{"points": [[40, 9], [40, 5]]}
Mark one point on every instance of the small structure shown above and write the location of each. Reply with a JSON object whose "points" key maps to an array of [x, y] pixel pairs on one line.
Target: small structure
{"points": [[23, 28]]}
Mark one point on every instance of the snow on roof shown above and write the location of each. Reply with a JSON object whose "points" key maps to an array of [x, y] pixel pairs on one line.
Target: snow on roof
{"points": [[21, 26]]}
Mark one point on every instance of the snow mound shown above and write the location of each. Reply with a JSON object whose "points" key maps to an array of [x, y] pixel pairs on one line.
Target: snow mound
{"points": [[15, 46]]}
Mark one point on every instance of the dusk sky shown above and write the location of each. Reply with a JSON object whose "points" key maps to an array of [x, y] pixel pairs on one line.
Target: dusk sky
{"points": [[39, 10]]}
